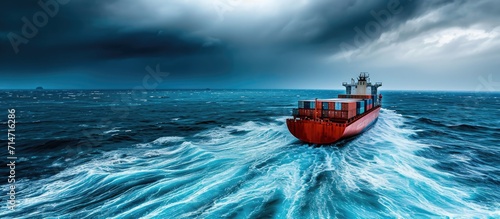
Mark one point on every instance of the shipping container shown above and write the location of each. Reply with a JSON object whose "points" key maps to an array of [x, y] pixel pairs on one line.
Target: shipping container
{"points": [[338, 106], [325, 113], [360, 111], [348, 114], [331, 105], [295, 112], [351, 113], [301, 104], [306, 112], [307, 105], [339, 114], [360, 104], [336, 114], [348, 106], [328, 114], [344, 114], [325, 105]]}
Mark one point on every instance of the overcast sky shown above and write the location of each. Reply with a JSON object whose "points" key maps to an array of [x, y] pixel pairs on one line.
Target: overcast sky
{"points": [[317, 44]]}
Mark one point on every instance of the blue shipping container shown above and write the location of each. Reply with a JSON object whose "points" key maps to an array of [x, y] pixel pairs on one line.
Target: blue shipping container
{"points": [[338, 106], [301, 104], [325, 105]]}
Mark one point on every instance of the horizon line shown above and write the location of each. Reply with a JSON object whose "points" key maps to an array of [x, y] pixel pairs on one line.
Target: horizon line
{"points": [[130, 89]]}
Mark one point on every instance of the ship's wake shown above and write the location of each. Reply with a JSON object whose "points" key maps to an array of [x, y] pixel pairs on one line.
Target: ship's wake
{"points": [[256, 170]]}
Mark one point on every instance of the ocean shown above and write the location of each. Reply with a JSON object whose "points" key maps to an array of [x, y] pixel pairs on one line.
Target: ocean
{"points": [[228, 154]]}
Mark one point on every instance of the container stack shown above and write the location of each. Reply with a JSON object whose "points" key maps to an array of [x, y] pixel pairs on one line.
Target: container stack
{"points": [[307, 108], [341, 109], [370, 100]]}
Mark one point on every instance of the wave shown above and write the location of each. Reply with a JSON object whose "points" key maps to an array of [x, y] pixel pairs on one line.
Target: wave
{"points": [[206, 122], [256, 169], [41, 146], [458, 127]]}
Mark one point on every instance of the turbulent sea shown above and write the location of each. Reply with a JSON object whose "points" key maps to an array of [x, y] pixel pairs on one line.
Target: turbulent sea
{"points": [[228, 154]]}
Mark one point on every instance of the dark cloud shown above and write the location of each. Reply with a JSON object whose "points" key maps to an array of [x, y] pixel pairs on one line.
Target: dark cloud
{"points": [[79, 36], [244, 40]]}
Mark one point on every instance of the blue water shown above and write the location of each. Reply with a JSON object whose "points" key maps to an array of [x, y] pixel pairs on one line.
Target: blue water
{"points": [[228, 153]]}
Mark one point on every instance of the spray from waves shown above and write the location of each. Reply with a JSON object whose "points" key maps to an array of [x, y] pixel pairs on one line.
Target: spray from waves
{"points": [[255, 170], [169, 176], [383, 165]]}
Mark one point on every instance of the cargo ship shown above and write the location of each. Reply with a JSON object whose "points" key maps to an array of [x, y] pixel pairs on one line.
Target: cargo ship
{"points": [[326, 121]]}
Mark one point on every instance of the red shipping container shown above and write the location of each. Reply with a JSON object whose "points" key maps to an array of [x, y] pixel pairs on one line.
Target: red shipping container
{"points": [[349, 106], [302, 112], [331, 105], [330, 114], [306, 112], [336, 114], [326, 114], [350, 114]]}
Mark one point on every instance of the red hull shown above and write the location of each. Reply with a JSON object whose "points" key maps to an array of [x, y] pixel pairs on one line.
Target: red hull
{"points": [[327, 132]]}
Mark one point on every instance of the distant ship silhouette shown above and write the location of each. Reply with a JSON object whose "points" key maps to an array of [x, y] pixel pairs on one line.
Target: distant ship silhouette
{"points": [[39, 88]]}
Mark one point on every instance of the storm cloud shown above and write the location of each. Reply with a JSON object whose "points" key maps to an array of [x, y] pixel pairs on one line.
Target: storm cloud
{"points": [[249, 44]]}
